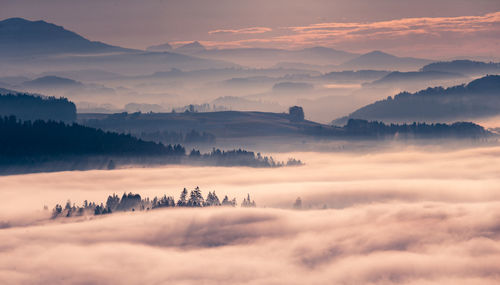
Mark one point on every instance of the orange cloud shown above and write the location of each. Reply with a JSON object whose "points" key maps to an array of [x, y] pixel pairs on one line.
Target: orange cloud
{"points": [[252, 30], [340, 31], [462, 35]]}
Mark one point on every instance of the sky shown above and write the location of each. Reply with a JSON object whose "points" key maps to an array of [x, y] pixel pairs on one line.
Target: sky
{"points": [[421, 28]]}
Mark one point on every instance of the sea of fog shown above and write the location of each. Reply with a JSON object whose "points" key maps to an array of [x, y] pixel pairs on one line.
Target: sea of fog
{"points": [[409, 215]]}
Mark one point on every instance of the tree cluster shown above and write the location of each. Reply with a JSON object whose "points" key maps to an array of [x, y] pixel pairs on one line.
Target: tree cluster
{"points": [[134, 202], [42, 141], [172, 137], [296, 114], [248, 202], [356, 127], [41, 138], [239, 157]]}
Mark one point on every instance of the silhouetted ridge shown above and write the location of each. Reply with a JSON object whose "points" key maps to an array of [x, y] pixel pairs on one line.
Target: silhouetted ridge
{"points": [[161, 47], [54, 146], [357, 127], [51, 81], [479, 98], [41, 138], [397, 76], [23, 37], [30, 107], [383, 61], [467, 67]]}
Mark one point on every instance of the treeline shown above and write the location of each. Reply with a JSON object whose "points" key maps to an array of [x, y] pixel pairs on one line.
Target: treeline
{"points": [[239, 157], [50, 138], [172, 137], [27, 145], [357, 128], [134, 202], [30, 107], [195, 108]]}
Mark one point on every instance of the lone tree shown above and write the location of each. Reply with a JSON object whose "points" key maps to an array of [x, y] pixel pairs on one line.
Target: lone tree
{"points": [[182, 202], [298, 204], [196, 199], [296, 114], [248, 203]]}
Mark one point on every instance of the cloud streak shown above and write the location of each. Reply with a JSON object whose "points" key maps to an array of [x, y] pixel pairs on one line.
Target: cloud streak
{"points": [[408, 35], [252, 30]]}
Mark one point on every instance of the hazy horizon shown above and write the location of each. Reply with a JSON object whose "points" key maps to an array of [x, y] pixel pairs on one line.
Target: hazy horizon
{"points": [[425, 29]]}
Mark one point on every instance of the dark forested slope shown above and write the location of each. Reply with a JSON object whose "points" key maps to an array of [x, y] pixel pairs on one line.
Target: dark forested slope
{"points": [[479, 98], [31, 107]]}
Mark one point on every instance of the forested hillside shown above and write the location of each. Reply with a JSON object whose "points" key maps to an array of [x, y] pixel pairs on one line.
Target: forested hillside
{"points": [[31, 107]]}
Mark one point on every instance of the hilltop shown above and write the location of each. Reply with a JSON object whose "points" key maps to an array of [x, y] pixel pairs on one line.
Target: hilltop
{"points": [[479, 98]]}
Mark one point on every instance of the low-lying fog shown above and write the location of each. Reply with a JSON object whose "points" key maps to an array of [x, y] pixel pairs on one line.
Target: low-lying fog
{"points": [[408, 215]]}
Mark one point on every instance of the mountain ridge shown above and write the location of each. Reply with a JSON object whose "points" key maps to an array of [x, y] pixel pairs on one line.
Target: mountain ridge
{"points": [[22, 37]]}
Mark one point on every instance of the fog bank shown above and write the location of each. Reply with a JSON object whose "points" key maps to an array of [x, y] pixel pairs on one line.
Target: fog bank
{"points": [[405, 216]]}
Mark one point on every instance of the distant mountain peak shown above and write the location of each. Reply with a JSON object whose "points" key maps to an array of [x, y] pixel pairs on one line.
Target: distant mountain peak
{"points": [[51, 80], [380, 60], [195, 44], [22, 37], [378, 53], [193, 47], [160, 47]]}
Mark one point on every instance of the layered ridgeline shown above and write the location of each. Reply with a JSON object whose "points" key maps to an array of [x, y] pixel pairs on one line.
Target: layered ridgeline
{"points": [[465, 67], [49, 146], [21, 37], [480, 98], [248, 126], [36, 107], [41, 46]]}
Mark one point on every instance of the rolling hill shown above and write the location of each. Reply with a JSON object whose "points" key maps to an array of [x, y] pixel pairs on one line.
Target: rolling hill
{"points": [[479, 98], [378, 60], [466, 67]]}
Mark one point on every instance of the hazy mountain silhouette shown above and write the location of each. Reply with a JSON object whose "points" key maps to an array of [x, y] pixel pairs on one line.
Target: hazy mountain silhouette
{"points": [[288, 86], [360, 75], [267, 57], [21, 37], [479, 98], [161, 47], [33, 44], [12, 80], [84, 74], [191, 48], [52, 82], [378, 60], [398, 77], [64, 87], [466, 67]]}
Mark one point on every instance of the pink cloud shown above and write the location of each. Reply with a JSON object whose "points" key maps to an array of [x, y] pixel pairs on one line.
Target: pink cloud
{"points": [[461, 35], [252, 30]]}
